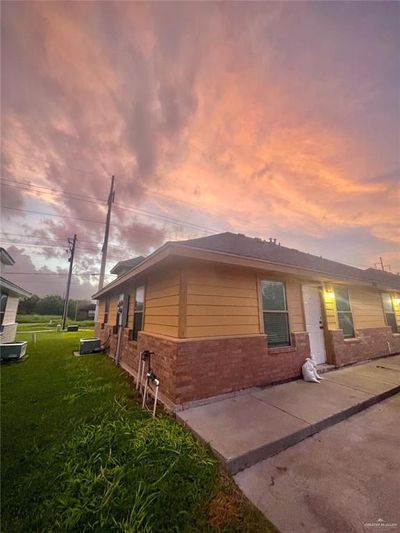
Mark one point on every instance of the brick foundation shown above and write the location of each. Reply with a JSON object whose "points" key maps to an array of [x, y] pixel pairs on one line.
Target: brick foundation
{"points": [[207, 368], [368, 343], [192, 370]]}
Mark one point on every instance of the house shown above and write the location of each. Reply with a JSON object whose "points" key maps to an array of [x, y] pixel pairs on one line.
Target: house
{"points": [[86, 312], [227, 312], [10, 295], [123, 266]]}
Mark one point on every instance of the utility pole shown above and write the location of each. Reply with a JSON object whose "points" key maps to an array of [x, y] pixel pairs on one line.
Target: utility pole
{"points": [[111, 197], [383, 267], [72, 243]]}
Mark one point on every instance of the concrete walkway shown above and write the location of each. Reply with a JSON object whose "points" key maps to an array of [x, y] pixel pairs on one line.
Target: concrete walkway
{"points": [[342, 480], [253, 426]]}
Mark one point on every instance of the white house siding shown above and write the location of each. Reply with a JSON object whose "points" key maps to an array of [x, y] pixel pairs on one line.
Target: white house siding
{"points": [[8, 334], [9, 323]]}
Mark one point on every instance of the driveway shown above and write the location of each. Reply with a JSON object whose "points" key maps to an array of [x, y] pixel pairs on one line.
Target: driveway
{"points": [[344, 479]]}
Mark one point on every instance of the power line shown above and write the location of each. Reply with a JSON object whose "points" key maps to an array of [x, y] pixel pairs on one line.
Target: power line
{"points": [[166, 217], [92, 199], [49, 274], [84, 172], [42, 189], [49, 239], [51, 214]]}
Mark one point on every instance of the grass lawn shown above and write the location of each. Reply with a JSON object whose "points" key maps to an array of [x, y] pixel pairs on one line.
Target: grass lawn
{"points": [[78, 454], [36, 322]]}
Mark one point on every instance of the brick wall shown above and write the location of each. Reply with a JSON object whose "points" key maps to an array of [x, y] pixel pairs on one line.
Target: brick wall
{"points": [[199, 369], [207, 368], [369, 343]]}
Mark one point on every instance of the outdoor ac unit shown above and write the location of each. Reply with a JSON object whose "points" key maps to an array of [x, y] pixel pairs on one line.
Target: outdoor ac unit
{"points": [[90, 346]]}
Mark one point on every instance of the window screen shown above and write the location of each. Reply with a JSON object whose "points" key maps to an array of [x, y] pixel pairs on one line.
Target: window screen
{"points": [[345, 316], [388, 309], [276, 320], [138, 312]]}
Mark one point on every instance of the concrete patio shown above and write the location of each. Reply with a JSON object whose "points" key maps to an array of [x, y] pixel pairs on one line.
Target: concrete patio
{"points": [[262, 422]]}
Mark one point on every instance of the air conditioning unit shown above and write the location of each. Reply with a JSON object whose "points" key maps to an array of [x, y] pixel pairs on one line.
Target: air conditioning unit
{"points": [[90, 346], [12, 351]]}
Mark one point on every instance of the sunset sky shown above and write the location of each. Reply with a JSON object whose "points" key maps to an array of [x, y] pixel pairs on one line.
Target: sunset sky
{"points": [[270, 119]]}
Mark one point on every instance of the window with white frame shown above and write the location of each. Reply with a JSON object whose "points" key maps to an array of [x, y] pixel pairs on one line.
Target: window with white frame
{"points": [[388, 308], [276, 316], [344, 313]]}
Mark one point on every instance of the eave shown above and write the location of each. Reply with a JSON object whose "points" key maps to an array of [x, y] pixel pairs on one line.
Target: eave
{"points": [[184, 251], [8, 287]]}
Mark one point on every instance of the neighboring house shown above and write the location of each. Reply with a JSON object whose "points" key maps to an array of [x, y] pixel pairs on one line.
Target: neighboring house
{"points": [[227, 312], [123, 266], [10, 295], [86, 312]]}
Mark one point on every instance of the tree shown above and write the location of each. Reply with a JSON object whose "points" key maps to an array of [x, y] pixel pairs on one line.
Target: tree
{"points": [[50, 305], [28, 306]]}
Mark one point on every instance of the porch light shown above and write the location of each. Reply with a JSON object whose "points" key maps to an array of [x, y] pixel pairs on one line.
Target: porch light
{"points": [[329, 294]]}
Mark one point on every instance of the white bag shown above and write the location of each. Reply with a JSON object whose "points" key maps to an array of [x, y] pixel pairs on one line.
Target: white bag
{"points": [[309, 371]]}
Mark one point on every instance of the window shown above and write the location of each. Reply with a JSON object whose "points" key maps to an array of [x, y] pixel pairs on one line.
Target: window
{"points": [[128, 299], [276, 320], [106, 310], [345, 317], [138, 312], [388, 309], [3, 306]]}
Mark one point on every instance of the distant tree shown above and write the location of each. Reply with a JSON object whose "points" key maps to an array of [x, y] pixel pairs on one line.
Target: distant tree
{"points": [[28, 306], [50, 305]]}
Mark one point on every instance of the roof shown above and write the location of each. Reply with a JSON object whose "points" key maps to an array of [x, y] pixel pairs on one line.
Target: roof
{"points": [[8, 287], [123, 266], [381, 276], [256, 249], [5, 257], [88, 307]]}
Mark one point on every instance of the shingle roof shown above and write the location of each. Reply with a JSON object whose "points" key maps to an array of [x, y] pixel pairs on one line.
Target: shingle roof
{"points": [[380, 276], [126, 265], [256, 248]]}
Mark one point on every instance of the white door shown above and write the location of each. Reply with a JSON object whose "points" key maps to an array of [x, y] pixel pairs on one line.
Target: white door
{"points": [[314, 323]]}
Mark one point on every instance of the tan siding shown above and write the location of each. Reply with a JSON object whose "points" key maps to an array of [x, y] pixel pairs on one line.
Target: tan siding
{"points": [[295, 306], [112, 314], [216, 331], [208, 310], [100, 311], [161, 313], [330, 308], [367, 308], [131, 307], [221, 301]]}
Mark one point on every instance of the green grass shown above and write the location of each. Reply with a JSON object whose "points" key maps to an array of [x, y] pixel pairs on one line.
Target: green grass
{"points": [[78, 454], [44, 320]]}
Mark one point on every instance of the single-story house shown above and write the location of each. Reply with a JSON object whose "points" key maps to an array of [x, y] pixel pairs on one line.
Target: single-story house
{"points": [[10, 293], [86, 312], [227, 312]]}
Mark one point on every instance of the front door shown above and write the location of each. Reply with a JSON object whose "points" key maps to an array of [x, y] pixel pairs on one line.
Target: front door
{"points": [[314, 323]]}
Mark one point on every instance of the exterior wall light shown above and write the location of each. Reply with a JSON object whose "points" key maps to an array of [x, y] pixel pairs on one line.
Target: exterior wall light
{"points": [[329, 294]]}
